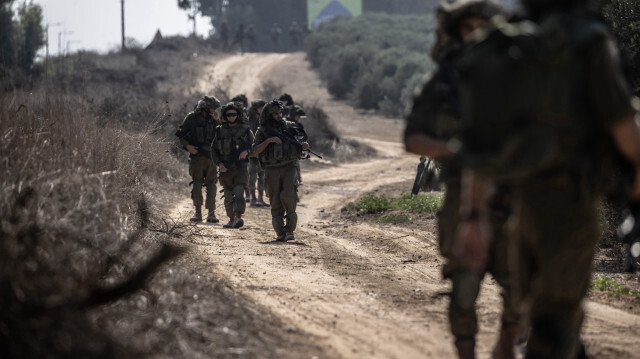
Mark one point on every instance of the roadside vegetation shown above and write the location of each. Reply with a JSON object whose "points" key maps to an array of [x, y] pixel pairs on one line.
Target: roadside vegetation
{"points": [[375, 61], [611, 288], [395, 210]]}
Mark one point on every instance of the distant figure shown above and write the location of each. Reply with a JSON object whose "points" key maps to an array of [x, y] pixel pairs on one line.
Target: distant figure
{"points": [[251, 38], [275, 36], [239, 40], [224, 33], [294, 36]]}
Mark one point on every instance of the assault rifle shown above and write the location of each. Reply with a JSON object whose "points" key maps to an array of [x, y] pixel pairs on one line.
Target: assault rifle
{"points": [[295, 139]]}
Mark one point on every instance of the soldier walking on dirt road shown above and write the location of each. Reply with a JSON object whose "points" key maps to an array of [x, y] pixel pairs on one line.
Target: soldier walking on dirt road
{"points": [[277, 157], [433, 127], [256, 174], [563, 101], [196, 134], [230, 151]]}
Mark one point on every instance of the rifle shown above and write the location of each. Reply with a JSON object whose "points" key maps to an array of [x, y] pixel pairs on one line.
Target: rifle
{"points": [[288, 139], [420, 175]]}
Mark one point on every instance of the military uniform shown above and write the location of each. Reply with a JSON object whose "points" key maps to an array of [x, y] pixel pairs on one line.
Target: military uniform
{"points": [[549, 141], [436, 113], [278, 163], [228, 144], [198, 130], [256, 174]]}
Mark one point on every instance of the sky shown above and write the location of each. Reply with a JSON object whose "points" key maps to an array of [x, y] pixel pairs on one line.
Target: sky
{"points": [[95, 24]]}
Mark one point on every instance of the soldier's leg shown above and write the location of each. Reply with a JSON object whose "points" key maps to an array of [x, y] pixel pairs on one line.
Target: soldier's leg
{"points": [[559, 231], [253, 176], [289, 196], [211, 180], [197, 170], [260, 185], [298, 172], [226, 181], [272, 186], [240, 179]]}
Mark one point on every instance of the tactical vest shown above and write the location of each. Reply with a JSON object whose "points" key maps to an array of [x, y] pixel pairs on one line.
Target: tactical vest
{"points": [[523, 92], [203, 132], [278, 154], [231, 141]]}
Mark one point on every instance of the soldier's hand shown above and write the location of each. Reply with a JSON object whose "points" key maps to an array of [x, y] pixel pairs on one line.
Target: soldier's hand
{"points": [[305, 146], [471, 245], [192, 149], [222, 167], [275, 139], [243, 155]]}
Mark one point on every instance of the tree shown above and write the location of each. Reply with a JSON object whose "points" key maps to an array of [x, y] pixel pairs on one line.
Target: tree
{"points": [[30, 34], [7, 50]]}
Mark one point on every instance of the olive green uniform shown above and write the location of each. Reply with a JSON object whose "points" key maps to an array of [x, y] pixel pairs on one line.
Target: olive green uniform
{"points": [[550, 142], [435, 114], [256, 174], [227, 145], [198, 130], [280, 177]]}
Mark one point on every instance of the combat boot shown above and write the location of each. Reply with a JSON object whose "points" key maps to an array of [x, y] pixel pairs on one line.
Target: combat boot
{"points": [[289, 237], [466, 348], [505, 346], [260, 201], [247, 198], [211, 217], [238, 221], [198, 216]]}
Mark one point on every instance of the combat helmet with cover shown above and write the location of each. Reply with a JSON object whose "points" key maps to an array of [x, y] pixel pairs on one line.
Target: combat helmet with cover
{"points": [[449, 13], [269, 109], [235, 106], [207, 103], [521, 88]]}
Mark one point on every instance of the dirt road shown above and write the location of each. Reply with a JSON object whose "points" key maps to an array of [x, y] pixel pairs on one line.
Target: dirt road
{"points": [[360, 290]]}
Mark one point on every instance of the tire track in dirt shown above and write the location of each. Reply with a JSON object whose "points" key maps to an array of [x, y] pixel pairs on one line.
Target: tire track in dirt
{"points": [[359, 289]]}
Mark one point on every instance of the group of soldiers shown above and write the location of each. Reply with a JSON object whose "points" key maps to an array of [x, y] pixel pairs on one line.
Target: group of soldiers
{"points": [[524, 114], [246, 147]]}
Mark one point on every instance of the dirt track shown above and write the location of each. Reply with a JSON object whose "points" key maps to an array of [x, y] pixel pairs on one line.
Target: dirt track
{"points": [[359, 290]]}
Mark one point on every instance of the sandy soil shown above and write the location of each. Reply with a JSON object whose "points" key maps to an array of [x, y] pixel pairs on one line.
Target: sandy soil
{"points": [[360, 289]]}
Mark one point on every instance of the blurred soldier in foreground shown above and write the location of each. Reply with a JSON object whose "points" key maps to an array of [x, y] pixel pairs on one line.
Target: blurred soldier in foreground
{"points": [[230, 150], [277, 156], [196, 134], [544, 101], [433, 129], [256, 174]]}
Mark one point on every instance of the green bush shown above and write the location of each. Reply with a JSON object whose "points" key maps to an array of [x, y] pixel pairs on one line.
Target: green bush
{"points": [[371, 204], [606, 284], [422, 203], [373, 60]]}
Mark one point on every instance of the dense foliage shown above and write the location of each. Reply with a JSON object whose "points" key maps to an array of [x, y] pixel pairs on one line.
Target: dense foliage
{"points": [[375, 60], [21, 36], [624, 18]]}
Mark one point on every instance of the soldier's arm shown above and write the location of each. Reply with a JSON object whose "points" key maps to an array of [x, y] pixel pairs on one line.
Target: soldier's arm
{"points": [[183, 135], [424, 145], [248, 139], [260, 143], [216, 158]]}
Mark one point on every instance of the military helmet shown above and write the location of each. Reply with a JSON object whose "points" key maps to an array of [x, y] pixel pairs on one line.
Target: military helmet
{"points": [[449, 13], [208, 103], [232, 106], [285, 97], [297, 110], [269, 109], [255, 105], [241, 98]]}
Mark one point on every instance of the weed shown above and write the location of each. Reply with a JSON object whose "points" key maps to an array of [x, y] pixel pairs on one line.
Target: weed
{"points": [[371, 204], [606, 284]]}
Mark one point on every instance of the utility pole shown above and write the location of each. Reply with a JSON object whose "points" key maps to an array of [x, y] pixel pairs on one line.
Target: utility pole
{"points": [[122, 15]]}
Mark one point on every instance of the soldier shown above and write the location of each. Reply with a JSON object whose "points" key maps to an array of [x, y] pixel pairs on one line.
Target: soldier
{"points": [[433, 129], [275, 36], [251, 37], [239, 39], [256, 174], [287, 104], [563, 101], [230, 150], [277, 157], [294, 35], [244, 101], [196, 134], [224, 33]]}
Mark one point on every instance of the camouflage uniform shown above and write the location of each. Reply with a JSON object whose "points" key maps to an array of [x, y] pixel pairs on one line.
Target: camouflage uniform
{"points": [[229, 142], [550, 143], [198, 130], [256, 174], [278, 162], [435, 112]]}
